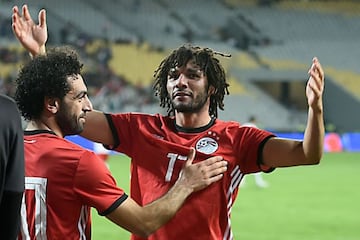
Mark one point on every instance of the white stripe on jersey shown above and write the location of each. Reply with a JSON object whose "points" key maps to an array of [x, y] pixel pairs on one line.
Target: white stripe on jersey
{"points": [[236, 176], [82, 222]]}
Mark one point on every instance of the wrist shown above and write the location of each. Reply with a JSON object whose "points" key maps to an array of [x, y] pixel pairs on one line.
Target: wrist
{"points": [[183, 187], [40, 51], [316, 110]]}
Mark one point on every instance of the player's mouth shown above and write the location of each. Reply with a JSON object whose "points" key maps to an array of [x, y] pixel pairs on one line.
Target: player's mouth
{"points": [[181, 94], [82, 118]]}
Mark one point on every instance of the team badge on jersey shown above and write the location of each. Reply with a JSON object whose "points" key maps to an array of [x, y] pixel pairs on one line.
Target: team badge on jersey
{"points": [[207, 145]]}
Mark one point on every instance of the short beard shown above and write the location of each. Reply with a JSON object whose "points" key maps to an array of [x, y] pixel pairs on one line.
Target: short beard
{"points": [[192, 107], [68, 124]]}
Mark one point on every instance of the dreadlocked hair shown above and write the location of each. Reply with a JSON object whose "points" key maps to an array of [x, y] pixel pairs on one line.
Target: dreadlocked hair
{"points": [[205, 59]]}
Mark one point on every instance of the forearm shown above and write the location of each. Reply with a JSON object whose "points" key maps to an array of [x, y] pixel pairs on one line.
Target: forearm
{"points": [[143, 221], [162, 210], [313, 143], [193, 177], [97, 128]]}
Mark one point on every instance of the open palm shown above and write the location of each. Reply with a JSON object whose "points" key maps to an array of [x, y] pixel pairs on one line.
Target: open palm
{"points": [[32, 36]]}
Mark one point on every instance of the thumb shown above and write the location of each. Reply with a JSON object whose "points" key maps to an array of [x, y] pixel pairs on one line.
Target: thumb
{"points": [[191, 156], [42, 18]]}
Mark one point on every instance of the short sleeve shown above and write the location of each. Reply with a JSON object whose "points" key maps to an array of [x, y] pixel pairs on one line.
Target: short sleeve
{"points": [[250, 143], [96, 186]]}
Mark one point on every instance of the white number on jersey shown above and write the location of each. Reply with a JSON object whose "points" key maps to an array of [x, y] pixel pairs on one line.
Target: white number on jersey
{"points": [[172, 159], [38, 185]]}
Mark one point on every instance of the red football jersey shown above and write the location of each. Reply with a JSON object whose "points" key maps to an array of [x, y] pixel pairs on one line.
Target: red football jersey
{"points": [[158, 149], [62, 182]]}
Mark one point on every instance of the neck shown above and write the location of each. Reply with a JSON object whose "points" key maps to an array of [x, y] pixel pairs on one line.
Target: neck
{"points": [[43, 125], [192, 120]]}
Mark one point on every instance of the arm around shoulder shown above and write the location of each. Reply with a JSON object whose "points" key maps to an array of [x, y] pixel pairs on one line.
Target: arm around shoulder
{"points": [[143, 221], [97, 128]]}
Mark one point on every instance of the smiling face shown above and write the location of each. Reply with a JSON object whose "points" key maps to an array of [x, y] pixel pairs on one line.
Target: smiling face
{"points": [[73, 107], [188, 88]]}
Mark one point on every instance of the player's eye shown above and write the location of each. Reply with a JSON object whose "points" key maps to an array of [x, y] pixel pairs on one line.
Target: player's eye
{"points": [[81, 97], [173, 74], [193, 75]]}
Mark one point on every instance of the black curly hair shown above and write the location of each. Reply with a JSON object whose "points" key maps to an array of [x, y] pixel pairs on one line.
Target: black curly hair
{"points": [[45, 76], [205, 59]]}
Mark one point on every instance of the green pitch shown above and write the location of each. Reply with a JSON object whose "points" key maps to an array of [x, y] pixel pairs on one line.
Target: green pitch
{"points": [[312, 202]]}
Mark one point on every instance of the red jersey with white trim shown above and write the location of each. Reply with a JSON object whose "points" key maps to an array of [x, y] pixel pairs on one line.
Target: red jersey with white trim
{"points": [[62, 182], [158, 149]]}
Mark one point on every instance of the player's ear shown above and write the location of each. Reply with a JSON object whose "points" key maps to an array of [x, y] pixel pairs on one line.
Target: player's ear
{"points": [[52, 104], [211, 90]]}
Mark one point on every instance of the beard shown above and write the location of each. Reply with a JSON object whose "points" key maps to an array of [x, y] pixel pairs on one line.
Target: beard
{"points": [[191, 107], [69, 123]]}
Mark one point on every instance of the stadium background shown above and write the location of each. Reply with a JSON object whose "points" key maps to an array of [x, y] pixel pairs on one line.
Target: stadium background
{"points": [[271, 42]]}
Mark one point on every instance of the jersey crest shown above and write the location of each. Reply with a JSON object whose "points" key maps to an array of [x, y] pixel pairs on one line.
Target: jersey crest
{"points": [[207, 145]]}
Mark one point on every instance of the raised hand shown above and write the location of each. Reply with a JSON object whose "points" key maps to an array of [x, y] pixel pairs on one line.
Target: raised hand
{"points": [[315, 86], [32, 36], [200, 175]]}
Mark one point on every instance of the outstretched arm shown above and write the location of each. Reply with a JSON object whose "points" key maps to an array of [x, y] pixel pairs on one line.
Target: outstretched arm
{"points": [[145, 220], [32, 36], [279, 152]]}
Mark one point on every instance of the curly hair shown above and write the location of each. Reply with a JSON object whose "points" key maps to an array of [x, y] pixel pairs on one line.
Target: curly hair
{"points": [[205, 59], [45, 76]]}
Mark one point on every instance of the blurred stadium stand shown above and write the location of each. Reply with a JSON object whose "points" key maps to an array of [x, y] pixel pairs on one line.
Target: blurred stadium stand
{"points": [[271, 43]]}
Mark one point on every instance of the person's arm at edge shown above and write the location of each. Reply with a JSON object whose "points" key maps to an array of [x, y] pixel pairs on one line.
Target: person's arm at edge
{"points": [[278, 152], [11, 199], [143, 221]]}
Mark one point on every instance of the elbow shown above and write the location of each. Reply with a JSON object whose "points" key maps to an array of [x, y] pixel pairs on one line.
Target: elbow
{"points": [[315, 160]]}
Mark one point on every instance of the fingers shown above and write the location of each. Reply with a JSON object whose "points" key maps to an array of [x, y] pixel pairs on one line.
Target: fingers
{"points": [[26, 13], [210, 161], [215, 169], [15, 15], [215, 178], [16, 10], [190, 157], [211, 167], [42, 18], [316, 79], [197, 176], [213, 172], [15, 24], [318, 67], [17, 21], [316, 71]]}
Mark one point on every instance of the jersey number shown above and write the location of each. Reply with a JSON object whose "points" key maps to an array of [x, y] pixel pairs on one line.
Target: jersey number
{"points": [[38, 185], [172, 159]]}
